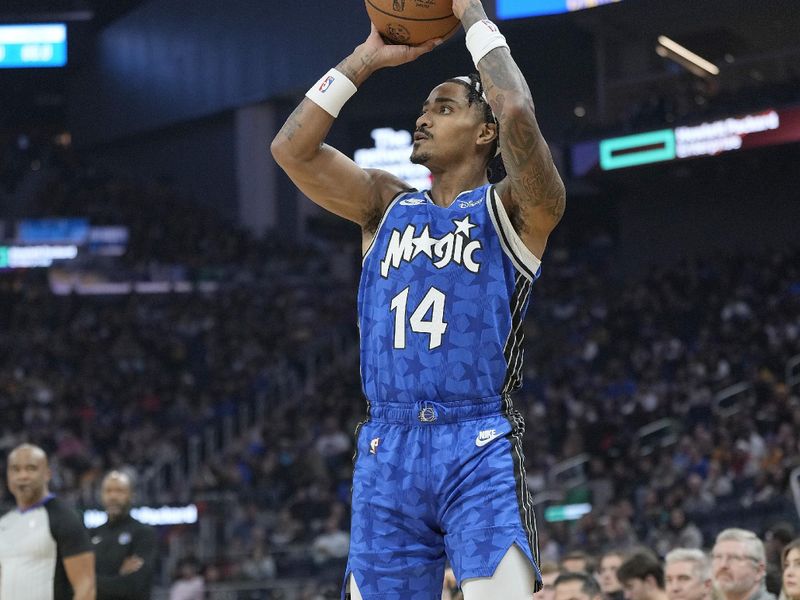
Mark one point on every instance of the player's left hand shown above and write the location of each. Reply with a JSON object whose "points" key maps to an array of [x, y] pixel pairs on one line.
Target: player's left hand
{"points": [[391, 55]]}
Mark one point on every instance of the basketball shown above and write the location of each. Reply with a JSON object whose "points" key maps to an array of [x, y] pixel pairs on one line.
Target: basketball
{"points": [[412, 21]]}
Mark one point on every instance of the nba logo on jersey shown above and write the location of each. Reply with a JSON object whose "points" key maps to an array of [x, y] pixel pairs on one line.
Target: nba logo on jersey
{"points": [[323, 87]]}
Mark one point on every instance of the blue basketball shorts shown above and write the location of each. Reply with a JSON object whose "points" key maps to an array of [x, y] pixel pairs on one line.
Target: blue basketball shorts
{"points": [[433, 482]]}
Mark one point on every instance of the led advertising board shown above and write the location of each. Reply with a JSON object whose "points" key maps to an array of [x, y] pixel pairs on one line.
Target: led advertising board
{"points": [[28, 46], [518, 9], [768, 127]]}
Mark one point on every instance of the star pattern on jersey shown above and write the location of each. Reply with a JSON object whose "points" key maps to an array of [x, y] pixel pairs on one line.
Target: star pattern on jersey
{"points": [[464, 225], [423, 243]]}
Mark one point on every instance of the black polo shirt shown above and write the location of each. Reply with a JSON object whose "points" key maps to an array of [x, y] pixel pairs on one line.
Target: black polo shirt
{"points": [[114, 542]]}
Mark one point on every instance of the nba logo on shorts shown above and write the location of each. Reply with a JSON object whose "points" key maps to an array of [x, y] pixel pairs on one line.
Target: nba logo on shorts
{"points": [[373, 445], [323, 87]]}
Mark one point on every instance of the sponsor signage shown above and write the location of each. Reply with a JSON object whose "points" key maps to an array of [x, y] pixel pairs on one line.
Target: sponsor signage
{"points": [[768, 127], [165, 515], [27, 257]]}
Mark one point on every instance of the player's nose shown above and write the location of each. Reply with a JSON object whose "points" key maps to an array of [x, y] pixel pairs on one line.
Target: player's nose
{"points": [[423, 121]]}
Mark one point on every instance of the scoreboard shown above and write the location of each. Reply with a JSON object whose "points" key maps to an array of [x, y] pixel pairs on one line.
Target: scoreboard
{"points": [[29, 46]]}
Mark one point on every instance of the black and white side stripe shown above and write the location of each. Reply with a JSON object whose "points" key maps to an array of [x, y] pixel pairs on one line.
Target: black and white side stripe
{"points": [[512, 351], [524, 496], [513, 354], [523, 259], [528, 268]]}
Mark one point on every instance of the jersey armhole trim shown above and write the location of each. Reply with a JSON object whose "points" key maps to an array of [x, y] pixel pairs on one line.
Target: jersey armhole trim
{"points": [[380, 223], [524, 260]]}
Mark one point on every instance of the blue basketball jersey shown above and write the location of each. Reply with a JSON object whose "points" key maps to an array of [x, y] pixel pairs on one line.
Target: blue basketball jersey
{"points": [[442, 298]]}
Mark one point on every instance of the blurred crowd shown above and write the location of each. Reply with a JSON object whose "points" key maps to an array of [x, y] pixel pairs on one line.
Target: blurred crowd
{"points": [[625, 379]]}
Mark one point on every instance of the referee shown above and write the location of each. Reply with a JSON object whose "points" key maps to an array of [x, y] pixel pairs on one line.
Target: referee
{"points": [[45, 552], [125, 548]]}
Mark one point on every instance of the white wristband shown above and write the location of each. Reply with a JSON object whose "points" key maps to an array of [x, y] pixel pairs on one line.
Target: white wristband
{"points": [[331, 92], [482, 38]]}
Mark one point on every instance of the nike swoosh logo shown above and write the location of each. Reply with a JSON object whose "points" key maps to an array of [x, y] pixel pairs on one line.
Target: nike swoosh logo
{"points": [[481, 442]]}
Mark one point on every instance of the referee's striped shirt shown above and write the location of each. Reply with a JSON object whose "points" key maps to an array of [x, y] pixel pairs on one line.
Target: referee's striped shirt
{"points": [[33, 544]]}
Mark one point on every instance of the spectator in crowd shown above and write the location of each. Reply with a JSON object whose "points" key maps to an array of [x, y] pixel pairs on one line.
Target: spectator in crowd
{"points": [[45, 552], [125, 549], [330, 545], [576, 585], [607, 574], [738, 564], [577, 561], [333, 444], [677, 533], [791, 571], [189, 583], [776, 538], [687, 575], [259, 565], [642, 577]]}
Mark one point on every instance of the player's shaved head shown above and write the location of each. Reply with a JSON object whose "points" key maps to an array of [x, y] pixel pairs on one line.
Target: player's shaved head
{"points": [[116, 493], [28, 474]]}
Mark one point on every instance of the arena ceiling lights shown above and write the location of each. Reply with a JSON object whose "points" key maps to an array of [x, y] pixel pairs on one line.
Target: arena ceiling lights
{"points": [[669, 48]]}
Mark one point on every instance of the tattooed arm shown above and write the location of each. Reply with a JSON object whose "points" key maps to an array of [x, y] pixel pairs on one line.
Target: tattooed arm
{"points": [[324, 174], [532, 191]]}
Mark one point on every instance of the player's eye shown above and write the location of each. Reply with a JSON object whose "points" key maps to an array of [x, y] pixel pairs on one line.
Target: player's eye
{"points": [[445, 110]]}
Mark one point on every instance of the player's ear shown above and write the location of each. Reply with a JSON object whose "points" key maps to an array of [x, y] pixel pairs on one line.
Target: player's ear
{"points": [[487, 133]]}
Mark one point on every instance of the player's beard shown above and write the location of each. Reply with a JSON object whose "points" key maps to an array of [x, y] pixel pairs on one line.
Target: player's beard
{"points": [[418, 157]]}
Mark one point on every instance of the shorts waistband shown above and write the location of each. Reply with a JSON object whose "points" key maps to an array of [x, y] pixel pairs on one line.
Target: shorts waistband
{"points": [[428, 412]]}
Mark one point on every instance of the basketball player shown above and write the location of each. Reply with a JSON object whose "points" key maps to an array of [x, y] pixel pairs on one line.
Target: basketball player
{"points": [[446, 279]]}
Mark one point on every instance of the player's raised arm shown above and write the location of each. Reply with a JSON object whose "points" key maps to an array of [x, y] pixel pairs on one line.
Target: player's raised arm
{"points": [[533, 189], [321, 172]]}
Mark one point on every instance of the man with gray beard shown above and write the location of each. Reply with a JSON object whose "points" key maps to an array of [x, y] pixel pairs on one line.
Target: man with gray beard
{"points": [[738, 564]]}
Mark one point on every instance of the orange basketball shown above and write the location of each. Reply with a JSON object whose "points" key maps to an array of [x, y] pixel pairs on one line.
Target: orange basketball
{"points": [[412, 21]]}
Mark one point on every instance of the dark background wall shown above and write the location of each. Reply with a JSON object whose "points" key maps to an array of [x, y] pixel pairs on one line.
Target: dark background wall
{"points": [[171, 61], [161, 88], [198, 155]]}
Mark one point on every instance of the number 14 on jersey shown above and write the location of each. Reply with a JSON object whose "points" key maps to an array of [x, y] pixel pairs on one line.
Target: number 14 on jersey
{"points": [[434, 326]]}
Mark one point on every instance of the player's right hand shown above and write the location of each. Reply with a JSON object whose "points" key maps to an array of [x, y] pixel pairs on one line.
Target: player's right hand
{"points": [[380, 54]]}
